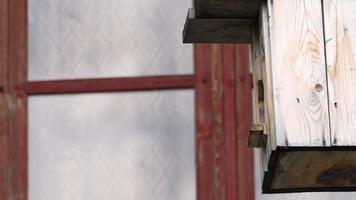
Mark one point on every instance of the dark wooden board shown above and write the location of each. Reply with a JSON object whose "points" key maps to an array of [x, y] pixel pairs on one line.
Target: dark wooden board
{"points": [[311, 170], [227, 8], [217, 30]]}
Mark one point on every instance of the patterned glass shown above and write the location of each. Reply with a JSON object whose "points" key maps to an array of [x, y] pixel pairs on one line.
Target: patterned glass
{"points": [[107, 38], [114, 146]]}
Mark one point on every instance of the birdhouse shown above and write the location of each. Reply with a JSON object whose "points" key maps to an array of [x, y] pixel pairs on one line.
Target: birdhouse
{"points": [[304, 73]]}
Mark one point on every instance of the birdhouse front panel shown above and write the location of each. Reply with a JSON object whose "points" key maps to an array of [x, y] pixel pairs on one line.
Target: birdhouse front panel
{"points": [[299, 73], [305, 103], [312, 72], [340, 43]]}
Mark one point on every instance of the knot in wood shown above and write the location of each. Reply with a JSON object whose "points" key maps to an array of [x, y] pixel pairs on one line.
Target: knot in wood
{"points": [[318, 87]]}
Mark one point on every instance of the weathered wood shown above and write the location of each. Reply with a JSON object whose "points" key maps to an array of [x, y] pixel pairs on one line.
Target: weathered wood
{"points": [[311, 170], [299, 74], [217, 80], [245, 175], [4, 184], [258, 105], [225, 167], [110, 84], [227, 8], [217, 30], [230, 122], [266, 70], [305, 76], [340, 35], [257, 138], [17, 63], [205, 153]]}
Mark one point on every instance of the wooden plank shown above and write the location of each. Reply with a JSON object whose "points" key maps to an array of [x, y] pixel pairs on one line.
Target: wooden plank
{"points": [[257, 138], [340, 35], [245, 174], [3, 44], [4, 185], [17, 53], [266, 70], [311, 170], [258, 106], [299, 74], [230, 122], [225, 171], [110, 84], [204, 145], [227, 8], [217, 30], [217, 88]]}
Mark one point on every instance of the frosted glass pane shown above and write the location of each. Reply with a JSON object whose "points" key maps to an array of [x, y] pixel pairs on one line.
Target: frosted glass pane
{"points": [[117, 146], [107, 38]]}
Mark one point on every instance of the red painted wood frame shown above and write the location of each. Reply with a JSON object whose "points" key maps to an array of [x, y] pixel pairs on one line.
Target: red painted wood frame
{"points": [[223, 110]]}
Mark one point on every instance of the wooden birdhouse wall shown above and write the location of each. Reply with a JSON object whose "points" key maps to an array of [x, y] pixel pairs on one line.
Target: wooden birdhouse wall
{"points": [[303, 54], [304, 76]]}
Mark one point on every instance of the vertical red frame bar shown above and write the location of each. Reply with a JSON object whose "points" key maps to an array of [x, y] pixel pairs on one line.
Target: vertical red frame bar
{"points": [[17, 64], [224, 115], [245, 173], [204, 145], [230, 120], [3, 103], [218, 119]]}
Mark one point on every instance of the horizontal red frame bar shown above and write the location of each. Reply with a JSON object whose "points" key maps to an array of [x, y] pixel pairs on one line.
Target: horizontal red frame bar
{"points": [[109, 84]]}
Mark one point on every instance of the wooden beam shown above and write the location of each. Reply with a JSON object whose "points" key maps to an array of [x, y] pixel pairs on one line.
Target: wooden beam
{"points": [[110, 84], [4, 159], [228, 59], [244, 116], [17, 64], [204, 143], [217, 30], [257, 138], [218, 119], [227, 8], [311, 170]]}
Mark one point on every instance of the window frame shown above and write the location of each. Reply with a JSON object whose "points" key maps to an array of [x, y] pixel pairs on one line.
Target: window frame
{"points": [[221, 94]]}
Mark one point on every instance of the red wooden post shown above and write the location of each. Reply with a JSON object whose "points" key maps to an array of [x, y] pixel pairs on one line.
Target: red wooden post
{"points": [[17, 54], [224, 114], [204, 148], [3, 103], [230, 120], [217, 90], [244, 120]]}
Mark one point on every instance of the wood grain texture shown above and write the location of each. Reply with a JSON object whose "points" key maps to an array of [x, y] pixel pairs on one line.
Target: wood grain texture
{"points": [[340, 34], [204, 144], [228, 51], [223, 114], [4, 185], [299, 74], [266, 70], [245, 182], [258, 106], [217, 87]]}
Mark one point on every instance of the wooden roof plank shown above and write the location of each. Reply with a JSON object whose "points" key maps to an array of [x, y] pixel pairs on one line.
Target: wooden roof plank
{"points": [[227, 8], [217, 30]]}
